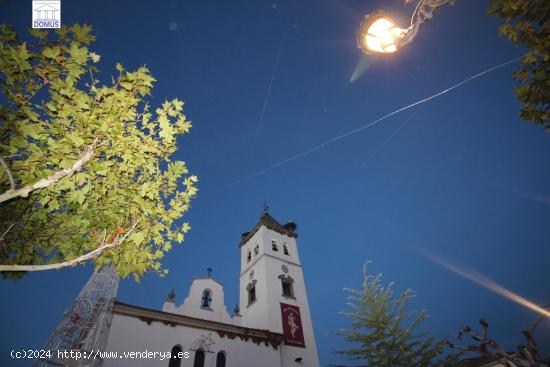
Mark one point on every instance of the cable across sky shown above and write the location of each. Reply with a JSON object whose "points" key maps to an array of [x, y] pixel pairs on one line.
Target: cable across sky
{"points": [[375, 122], [268, 93]]}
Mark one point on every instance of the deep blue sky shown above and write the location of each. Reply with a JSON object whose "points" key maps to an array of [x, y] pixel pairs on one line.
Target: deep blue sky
{"points": [[458, 176]]}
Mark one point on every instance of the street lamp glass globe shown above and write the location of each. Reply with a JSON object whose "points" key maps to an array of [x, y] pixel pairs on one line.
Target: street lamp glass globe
{"points": [[382, 36]]}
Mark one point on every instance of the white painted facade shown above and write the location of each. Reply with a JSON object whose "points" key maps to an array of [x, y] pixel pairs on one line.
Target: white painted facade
{"points": [[130, 334], [192, 304], [265, 313], [250, 338]]}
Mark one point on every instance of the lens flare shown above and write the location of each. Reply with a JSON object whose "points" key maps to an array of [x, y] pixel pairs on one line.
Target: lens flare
{"points": [[362, 65], [485, 282], [534, 197]]}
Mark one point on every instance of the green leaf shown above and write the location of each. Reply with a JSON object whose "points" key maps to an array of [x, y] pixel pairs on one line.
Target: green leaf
{"points": [[75, 139], [178, 105], [77, 196], [126, 85], [38, 33], [82, 33], [78, 54], [51, 52], [22, 55], [137, 238], [178, 237], [166, 130], [95, 57]]}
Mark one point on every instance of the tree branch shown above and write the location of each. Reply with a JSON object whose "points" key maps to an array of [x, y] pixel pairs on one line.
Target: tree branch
{"points": [[104, 246], [24, 191], [8, 172], [6, 232]]}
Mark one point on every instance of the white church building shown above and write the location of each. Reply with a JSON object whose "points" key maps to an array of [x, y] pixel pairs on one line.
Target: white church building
{"points": [[271, 327]]}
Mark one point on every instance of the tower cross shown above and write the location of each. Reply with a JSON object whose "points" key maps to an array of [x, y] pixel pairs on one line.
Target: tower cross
{"points": [[266, 208], [210, 270]]}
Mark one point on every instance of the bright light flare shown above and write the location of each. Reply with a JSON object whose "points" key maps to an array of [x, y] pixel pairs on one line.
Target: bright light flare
{"points": [[379, 34], [382, 36], [485, 282], [364, 63]]}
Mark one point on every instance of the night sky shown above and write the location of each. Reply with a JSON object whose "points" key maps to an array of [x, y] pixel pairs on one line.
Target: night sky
{"points": [[461, 176]]}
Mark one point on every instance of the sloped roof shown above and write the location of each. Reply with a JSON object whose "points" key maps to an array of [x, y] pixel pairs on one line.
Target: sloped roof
{"points": [[224, 330], [267, 220]]}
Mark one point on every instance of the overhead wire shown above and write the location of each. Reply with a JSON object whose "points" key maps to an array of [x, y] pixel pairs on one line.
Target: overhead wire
{"points": [[268, 92], [375, 122]]}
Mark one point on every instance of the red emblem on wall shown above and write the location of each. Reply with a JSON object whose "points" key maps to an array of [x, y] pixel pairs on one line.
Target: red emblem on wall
{"points": [[292, 326]]}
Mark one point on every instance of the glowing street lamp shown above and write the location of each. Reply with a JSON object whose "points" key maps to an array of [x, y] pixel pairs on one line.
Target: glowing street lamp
{"points": [[378, 32]]}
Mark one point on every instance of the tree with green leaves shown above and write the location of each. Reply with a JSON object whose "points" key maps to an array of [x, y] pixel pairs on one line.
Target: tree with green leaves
{"points": [[86, 169], [527, 23], [384, 334]]}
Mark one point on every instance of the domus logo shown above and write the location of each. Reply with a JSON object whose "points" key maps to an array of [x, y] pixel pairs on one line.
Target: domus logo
{"points": [[46, 13]]}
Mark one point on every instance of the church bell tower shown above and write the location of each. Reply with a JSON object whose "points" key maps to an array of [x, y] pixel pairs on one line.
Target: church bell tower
{"points": [[272, 289]]}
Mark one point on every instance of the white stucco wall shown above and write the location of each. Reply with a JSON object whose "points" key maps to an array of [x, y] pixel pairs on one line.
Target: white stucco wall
{"points": [[129, 334], [265, 313], [192, 304]]}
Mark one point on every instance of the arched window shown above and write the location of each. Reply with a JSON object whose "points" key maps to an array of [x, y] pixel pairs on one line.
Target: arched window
{"points": [[206, 299], [251, 289], [286, 251], [199, 359], [286, 285], [220, 359], [252, 295], [175, 356]]}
